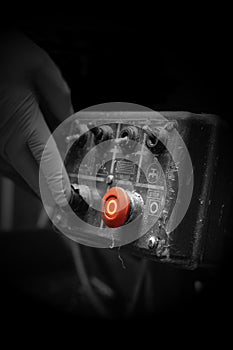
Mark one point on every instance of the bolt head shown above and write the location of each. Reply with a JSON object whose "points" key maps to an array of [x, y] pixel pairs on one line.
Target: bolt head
{"points": [[152, 242], [110, 179]]}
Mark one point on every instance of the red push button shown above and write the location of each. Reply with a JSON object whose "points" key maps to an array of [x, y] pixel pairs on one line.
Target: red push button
{"points": [[115, 207]]}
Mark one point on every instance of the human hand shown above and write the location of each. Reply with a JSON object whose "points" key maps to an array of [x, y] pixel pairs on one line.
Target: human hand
{"points": [[29, 83]]}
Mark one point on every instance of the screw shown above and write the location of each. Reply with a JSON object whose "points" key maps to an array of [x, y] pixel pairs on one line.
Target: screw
{"points": [[110, 179], [152, 242]]}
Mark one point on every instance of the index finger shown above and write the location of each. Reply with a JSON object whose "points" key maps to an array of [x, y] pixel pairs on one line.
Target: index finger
{"points": [[52, 171]]}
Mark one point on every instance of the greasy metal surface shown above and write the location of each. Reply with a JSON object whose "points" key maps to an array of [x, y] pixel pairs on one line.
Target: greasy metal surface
{"points": [[189, 245], [199, 239], [126, 173]]}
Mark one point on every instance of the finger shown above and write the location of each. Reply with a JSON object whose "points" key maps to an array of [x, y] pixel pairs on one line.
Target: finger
{"points": [[19, 158], [52, 90], [47, 156]]}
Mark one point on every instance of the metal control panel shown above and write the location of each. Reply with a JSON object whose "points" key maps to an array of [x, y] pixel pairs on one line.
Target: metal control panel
{"points": [[148, 182], [129, 155]]}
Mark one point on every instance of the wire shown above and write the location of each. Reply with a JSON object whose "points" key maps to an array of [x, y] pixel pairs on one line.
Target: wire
{"points": [[137, 288], [82, 274]]}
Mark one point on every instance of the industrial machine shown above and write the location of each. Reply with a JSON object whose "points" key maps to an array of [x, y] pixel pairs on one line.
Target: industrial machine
{"points": [[155, 184]]}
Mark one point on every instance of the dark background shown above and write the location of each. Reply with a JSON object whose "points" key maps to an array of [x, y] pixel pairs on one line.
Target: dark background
{"points": [[185, 65], [181, 65]]}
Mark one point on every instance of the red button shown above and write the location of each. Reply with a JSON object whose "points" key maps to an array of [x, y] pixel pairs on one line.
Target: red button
{"points": [[115, 207]]}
